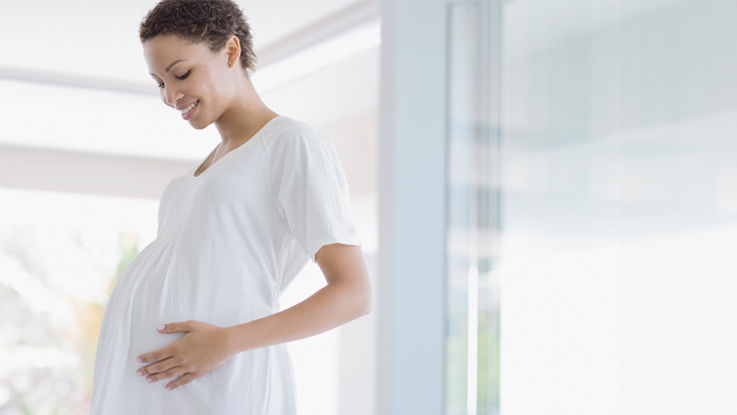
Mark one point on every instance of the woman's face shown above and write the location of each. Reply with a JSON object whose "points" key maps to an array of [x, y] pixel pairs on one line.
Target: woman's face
{"points": [[188, 73]]}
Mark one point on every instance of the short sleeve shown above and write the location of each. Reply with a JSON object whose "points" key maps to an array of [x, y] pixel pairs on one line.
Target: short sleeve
{"points": [[310, 189]]}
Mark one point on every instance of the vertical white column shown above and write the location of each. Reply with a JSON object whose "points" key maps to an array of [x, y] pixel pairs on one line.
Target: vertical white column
{"points": [[412, 211]]}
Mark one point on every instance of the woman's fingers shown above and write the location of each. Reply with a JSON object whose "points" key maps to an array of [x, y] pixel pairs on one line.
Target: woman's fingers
{"points": [[186, 378], [157, 355], [157, 367], [174, 371]]}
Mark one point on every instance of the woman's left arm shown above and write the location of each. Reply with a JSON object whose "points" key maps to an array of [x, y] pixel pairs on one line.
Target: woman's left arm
{"points": [[206, 346], [346, 297]]}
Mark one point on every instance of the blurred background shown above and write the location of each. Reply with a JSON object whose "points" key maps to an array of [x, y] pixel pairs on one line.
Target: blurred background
{"points": [[547, 192]]}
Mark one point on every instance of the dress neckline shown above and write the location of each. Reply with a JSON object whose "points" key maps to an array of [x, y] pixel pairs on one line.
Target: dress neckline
{"points": [[236, 148]]}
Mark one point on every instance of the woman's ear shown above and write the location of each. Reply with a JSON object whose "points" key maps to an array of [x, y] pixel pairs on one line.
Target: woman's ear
{"points": [[233, 49]]}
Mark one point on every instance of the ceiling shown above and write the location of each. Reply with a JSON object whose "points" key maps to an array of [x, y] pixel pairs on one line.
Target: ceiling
{"points": [[96, 37], [64, 64]]}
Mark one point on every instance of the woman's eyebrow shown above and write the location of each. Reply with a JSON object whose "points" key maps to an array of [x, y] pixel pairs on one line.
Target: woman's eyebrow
{"points": [[168, 68]]}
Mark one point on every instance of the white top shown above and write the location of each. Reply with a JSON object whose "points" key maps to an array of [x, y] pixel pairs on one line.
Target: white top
{"points": [[228, 242]]}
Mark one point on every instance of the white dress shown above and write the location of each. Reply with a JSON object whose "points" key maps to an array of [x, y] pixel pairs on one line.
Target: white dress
{"points": [[228, 242]]}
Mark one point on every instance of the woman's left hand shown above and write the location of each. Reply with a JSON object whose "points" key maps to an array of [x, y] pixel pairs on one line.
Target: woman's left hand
{"points": [[203, 349]]}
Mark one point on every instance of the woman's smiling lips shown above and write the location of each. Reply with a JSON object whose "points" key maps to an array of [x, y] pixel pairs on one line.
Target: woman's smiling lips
{"points": [[193, 107]]}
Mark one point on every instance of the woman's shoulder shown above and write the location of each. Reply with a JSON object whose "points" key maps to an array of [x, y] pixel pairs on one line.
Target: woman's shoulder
{"points": [[292, 132], [173, 184]]}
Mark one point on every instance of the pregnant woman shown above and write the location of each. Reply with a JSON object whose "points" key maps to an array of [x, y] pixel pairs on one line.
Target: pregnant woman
{"points": [[192, 326]]}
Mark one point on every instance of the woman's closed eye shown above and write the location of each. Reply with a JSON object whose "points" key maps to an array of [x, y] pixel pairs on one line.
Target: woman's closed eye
{"points": [[161, 85]]}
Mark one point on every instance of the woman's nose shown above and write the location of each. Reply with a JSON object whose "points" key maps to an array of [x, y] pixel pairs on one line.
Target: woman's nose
{"points": [[170, 96]]}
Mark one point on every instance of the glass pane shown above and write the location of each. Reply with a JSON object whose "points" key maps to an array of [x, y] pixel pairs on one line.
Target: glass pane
{"points": [[472, 344], [593, 207], [60, 256], [619, 207]]}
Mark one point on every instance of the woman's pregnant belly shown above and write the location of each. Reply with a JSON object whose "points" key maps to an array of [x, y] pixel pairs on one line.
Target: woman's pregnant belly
{"points": [[163, 285], [170, 283]]}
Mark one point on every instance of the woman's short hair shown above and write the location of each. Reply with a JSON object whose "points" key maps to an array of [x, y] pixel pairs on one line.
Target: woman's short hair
{"points": [[211, 22]]}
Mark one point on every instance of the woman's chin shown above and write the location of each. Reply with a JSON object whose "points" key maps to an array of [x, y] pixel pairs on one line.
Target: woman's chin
{"points": [[198, 125]]}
